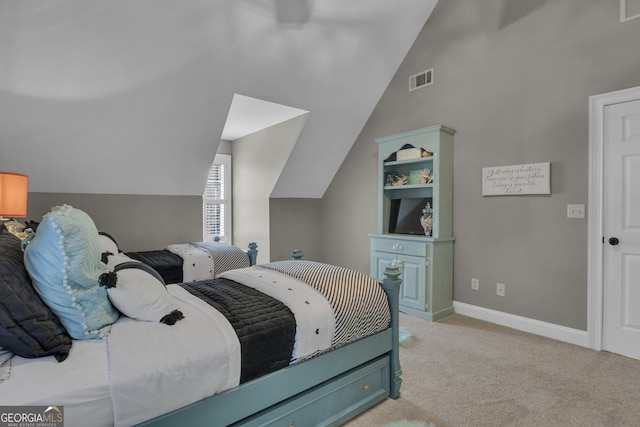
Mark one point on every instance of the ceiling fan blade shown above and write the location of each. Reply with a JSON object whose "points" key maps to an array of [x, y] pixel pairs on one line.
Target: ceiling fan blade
{"points": [[293, 11]]}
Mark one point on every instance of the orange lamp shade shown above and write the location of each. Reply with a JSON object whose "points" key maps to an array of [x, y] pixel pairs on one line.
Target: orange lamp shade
{"points": [[14, 188]]}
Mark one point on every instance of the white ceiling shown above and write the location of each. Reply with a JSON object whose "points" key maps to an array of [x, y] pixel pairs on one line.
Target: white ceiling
{"points": [[103, 91]]}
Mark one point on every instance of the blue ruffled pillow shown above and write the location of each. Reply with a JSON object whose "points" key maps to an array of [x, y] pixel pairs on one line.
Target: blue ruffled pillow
{"points": [[63, 260]]}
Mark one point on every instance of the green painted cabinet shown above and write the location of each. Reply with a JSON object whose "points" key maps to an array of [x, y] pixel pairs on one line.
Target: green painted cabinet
{"points": [[415, 168]]}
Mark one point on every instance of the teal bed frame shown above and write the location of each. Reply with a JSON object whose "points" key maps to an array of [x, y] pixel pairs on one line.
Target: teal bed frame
{"points": [[326, 390]]}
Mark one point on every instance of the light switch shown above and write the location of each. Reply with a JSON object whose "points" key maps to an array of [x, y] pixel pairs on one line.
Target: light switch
{"points": [[575, 211]]}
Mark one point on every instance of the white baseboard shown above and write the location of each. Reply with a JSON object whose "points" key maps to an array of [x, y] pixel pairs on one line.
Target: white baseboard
{"points": [[549, 330]]}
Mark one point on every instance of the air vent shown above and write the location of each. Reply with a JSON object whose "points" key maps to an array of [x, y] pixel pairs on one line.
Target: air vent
{"points": [[422, 79]]}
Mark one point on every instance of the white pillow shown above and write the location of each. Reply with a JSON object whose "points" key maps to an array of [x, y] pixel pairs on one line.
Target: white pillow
{"points": [[107, 243], [114, 260], [139, 292]]}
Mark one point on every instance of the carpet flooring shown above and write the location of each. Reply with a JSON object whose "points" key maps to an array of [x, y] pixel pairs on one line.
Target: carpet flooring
{"points": [[463, 372]]}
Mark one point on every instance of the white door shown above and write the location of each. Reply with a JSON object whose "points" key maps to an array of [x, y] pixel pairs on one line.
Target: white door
{"points": [[621, 226]]}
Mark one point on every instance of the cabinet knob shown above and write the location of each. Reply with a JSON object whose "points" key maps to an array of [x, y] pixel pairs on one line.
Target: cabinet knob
{"points": [[365, 386], [397, 247], [291, 424]]}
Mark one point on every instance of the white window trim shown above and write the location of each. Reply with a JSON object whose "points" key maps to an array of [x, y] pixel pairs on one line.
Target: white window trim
{"points": [[223, 159]]}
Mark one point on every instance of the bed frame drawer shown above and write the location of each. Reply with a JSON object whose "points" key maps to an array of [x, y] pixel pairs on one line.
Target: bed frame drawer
{"points": [[333, 402]]}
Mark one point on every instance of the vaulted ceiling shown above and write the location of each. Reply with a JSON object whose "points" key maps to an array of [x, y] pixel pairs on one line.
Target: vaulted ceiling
{"points": [[131, 97]]}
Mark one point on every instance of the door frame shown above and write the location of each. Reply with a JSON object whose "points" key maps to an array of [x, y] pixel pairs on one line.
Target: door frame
{"points": [[595, 276]]}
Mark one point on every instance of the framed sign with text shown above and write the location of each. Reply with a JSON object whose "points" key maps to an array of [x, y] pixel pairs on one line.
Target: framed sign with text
{"points": [[533, 178]]}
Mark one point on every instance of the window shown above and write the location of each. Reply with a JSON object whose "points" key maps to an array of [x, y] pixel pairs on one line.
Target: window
{"points": [[216, 201]]}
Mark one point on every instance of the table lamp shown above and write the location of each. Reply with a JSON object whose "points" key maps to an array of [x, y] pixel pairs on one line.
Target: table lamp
{"points": [[13, 195]]}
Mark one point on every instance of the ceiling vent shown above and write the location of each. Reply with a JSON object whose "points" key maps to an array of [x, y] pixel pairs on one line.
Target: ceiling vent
{"points": [[422, 79]]}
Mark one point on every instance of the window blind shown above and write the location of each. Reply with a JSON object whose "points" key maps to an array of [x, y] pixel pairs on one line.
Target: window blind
{"points": [[216, 205]]}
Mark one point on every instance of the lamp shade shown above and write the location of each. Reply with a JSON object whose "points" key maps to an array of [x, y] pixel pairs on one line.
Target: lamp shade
{"points": [[13, 194]]}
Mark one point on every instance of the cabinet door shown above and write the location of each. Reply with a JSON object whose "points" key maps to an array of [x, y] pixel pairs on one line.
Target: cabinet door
{"points": [[412, 291]]}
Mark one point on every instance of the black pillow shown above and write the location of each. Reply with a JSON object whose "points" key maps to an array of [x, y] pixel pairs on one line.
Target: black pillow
{"points": [[28, 328]]}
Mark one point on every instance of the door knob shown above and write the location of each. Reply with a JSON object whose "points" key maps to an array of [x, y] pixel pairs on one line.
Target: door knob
{"points": [[613, 241]]}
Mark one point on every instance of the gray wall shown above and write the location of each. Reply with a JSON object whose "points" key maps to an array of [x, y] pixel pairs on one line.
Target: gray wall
{"points": [[514, 79], [295, 225], [136, 222]]}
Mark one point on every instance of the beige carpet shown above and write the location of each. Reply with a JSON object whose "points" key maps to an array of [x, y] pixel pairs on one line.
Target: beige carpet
{"points": [[465, 372]]}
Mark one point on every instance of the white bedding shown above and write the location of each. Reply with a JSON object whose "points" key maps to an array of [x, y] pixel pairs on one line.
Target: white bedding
{"points": [[80, 384], [156, 368], [141, 370], [198, 262], [315, 323]]}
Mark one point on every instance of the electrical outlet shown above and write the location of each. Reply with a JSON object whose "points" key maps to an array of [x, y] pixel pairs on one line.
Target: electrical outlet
{"points": [[500, 289], [475, 284]]}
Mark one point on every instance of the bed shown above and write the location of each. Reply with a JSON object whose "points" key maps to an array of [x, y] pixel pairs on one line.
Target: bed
{"points": [[187, 262], [302, 367]]}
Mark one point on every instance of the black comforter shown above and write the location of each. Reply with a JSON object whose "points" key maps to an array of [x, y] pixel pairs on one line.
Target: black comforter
{"points": [[265, 327], [168, 264]]}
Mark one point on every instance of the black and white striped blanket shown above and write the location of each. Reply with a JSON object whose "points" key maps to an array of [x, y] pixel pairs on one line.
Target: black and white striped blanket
{"points": [[360, 305], [225, 257]]}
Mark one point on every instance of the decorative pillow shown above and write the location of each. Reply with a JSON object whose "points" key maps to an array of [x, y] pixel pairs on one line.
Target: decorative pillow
{"points": [[32, 225], [63, 260], [112, 260], [108, 245], [28, 328], [14, 226], [139, 292]]}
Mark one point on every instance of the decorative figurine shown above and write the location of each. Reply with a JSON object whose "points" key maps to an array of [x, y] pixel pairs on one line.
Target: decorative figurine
{"points": [[425, 177], [401, 180], [426, 220], [394, 179]]}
